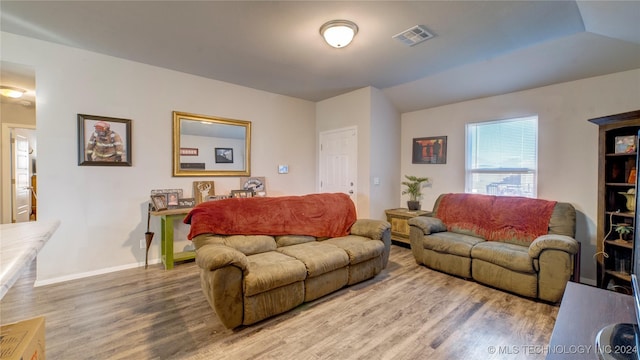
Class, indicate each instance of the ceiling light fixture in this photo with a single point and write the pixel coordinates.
(338, 33)
(11, 92)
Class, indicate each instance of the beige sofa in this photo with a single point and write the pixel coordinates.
(525, 246)
(248, 278)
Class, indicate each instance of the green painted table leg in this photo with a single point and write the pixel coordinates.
(167, 240)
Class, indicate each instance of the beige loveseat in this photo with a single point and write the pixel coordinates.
(525, 246)
(248, 278)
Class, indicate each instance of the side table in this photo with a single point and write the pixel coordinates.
(167, 217)
(399, 226)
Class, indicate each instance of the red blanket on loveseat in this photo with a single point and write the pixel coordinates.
(320, 215)
(496, 218)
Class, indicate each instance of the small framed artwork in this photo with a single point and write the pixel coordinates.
(241, 193)
(186, 203)
(625, 144)
(172, 200)
(202, 190)
(430, 150)
(255, 184)
(159, 202)
(188, 152)
(283, 169)
(224, 155)
(103, 141)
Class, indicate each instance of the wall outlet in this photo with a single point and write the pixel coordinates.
(143, 244)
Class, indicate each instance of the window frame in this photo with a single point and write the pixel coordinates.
(470, 172)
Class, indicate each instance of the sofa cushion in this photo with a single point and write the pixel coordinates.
(358, 248)
(271, 270)
(288, 240)
(509, 256)
(451, 243)
(250, 244)
(319, 258)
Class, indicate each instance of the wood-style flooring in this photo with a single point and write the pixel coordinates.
(406, 312)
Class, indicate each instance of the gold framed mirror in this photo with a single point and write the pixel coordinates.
(210, 146)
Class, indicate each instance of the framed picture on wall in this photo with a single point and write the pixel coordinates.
(103, 141)
(429, 150)
(224, 155)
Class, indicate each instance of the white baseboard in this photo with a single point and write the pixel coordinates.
(91, 273)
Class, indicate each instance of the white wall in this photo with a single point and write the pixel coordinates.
(103, 209)
(384, 153)
(351, 109)
(568, 143)
(378, 124)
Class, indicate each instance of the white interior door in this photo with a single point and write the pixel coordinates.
(339, 161)
(21, 190)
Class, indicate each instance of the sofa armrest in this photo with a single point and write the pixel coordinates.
(373, 229)
(553, 242)
(213, 256)
(427, 224)
(376, 230)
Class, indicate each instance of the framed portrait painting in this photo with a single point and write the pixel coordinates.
(429, 150)
(103, 141)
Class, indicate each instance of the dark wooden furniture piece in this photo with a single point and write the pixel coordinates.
(399, 226)
(583, 312)
(617, 166)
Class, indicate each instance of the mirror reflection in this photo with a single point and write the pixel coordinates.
(210, 146)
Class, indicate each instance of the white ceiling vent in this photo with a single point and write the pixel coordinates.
(414, 35)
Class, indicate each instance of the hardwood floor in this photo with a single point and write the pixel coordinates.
(406, 312)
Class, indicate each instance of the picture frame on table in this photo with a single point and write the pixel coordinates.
(257, 184)
(164, 193)
(172, 200)
(186, 203)
(241, 193)
(103, 141)
(202, 190)
(159, 202)
(429, 150)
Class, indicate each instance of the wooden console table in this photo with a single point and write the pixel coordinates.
(399, 226)
(167, 217)
(583, 312)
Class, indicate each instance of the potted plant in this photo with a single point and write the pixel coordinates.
(414, 190)
(623, 230)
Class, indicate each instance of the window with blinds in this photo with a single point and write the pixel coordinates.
(502, 157)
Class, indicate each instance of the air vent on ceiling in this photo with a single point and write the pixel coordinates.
(413, 36)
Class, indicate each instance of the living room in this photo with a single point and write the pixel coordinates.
(103, 210)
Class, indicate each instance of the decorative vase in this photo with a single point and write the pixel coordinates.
(631, 199)
(413, 205)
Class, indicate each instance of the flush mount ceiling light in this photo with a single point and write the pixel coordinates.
(11, 92)
(338, 33)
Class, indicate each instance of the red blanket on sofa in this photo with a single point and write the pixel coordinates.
(319, 215)
(496, 217)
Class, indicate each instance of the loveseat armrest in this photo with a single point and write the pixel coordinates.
(213, 256)
(553, 242)
(427, 224)
(373, 229)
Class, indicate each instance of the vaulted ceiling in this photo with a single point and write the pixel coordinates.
(480, 48)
